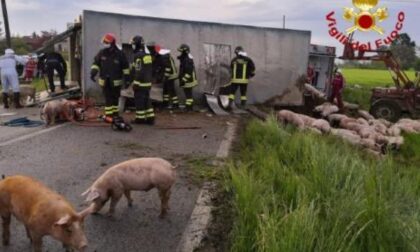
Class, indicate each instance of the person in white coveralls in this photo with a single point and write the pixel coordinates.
(9, 76)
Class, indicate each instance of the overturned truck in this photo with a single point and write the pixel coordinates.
(281, 55)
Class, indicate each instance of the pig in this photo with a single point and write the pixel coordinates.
(307, 120)
(394, 131)
(142, 174)
(42, 212)
(348, 135)
(406, 128)
(286, 116)
(365, 115)
(326, 109)
(61, 109)
(380, 126)
(362, 121)
(322, 125)
(335, 119)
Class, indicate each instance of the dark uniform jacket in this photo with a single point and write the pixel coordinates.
(187, 75)
(113, 65)
(52, 58)
(167, 67)
(243, 69)
(142, 69)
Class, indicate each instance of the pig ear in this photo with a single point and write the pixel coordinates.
(93, 195)
(63, 221)
(87, 211)
(85, 193)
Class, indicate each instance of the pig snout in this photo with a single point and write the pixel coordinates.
(79, 241)
(83, 246)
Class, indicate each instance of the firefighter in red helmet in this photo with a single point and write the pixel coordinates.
(114, 72)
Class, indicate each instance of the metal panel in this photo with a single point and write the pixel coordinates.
(216, 67)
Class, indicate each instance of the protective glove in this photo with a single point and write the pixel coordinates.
(93, 74)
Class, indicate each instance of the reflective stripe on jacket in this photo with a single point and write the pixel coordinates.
(187, 74)
(111, 64)
(143, 69)
(243, 69)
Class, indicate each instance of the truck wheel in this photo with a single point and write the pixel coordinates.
(386, 110)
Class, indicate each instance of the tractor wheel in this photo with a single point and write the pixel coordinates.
(387, 110)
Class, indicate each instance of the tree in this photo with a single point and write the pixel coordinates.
(404, 50)
(18, 45)
(417, 65)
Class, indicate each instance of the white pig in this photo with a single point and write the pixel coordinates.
(141, 174)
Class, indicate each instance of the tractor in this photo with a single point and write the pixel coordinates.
(389, 103)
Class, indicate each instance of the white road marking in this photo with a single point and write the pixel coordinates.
(31, 135)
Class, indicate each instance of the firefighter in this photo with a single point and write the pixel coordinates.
(142, 69)
(243, 69)
(337, 84)
(169, 73)
(187, 75)
(114, 72)
(53, 61)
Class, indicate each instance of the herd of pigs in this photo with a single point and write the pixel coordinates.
(43, 212)
(374, 135)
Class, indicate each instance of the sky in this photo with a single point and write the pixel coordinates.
(36, 15)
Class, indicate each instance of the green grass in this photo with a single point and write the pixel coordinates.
(371, 78)
(294, 191)
(39, 84)
(360, 83)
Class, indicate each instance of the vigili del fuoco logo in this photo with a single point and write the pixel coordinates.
(366, 16)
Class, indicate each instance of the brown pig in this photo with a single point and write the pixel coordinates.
(141, 174)
(42, 212)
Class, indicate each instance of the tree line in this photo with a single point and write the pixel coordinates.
(24, 45)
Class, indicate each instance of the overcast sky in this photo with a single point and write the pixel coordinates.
(36, 15)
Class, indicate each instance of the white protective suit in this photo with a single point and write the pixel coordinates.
(9, 75)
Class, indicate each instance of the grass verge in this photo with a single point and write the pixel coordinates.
(294, 191)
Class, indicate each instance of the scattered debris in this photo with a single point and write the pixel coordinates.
(215, 105)
(23, 122)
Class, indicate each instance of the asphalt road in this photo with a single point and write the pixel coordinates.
(68, 159)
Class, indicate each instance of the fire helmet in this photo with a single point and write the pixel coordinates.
(109, 38)
(137, 41)
(184, 48)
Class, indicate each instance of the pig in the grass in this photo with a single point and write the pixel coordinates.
(141, 174)
(42, 211)
(61, 109)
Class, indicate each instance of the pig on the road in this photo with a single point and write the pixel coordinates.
(42, 211)
(61, 110)
(141, 174)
